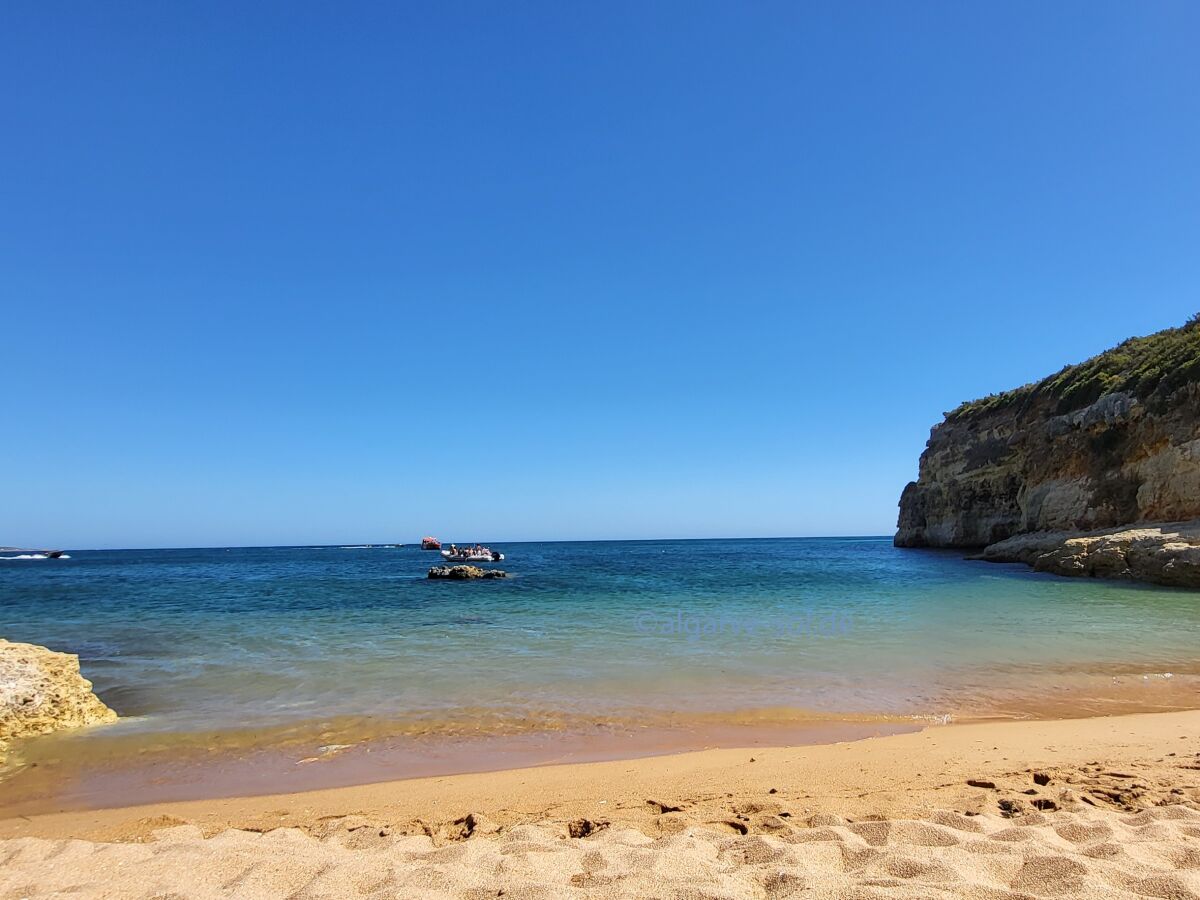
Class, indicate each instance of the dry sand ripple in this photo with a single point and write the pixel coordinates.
(1100, 853)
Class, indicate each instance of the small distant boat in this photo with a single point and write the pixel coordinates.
(430, 543)
(32, 554)
(472, 555)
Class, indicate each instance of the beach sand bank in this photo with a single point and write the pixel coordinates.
(1077, 808)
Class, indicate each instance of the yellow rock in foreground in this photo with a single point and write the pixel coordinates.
(42, 691)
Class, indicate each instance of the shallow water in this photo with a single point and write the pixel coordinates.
(260, 648)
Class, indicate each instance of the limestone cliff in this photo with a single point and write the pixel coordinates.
(42, 691)
(1108, 442)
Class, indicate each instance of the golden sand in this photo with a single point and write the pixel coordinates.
(1098, 807)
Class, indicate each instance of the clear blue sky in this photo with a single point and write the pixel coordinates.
(297, 272)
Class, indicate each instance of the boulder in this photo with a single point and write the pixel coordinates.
(43, 691)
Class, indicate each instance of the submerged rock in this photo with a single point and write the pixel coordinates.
(461, 573)
(42, 691)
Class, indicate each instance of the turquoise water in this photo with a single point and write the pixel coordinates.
(628, 632)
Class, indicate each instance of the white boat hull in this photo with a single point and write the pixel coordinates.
(471, 557)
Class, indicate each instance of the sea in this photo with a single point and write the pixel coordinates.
(256, 670)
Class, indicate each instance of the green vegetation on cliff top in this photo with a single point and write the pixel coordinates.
(1150, 368)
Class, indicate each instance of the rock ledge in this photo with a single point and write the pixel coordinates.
(1166, 554)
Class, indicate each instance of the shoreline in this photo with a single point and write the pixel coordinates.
(884, 772)
(108, 767)
(84, 769)
(1105, 806)
(193, 772)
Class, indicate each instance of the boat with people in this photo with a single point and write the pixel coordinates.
(474, 553)
(430, 543)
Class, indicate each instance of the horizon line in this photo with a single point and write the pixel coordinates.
(382, 545)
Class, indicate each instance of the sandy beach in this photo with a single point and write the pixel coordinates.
(687, 451)
(1074, 808)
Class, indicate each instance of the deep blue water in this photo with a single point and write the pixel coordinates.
(215, 639)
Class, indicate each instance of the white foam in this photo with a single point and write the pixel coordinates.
(934, 718)
(33, 556)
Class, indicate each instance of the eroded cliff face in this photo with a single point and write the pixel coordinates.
(991, 474)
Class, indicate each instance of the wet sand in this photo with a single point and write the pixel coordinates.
(1077, 808)
(124, 765)
(70, 771)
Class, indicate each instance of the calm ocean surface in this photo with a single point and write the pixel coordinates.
(632, 634)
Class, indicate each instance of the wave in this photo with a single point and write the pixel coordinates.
(33, 556)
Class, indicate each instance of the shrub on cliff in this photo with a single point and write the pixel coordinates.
(1150, 368)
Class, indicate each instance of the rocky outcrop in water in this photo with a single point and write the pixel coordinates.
(462, 573)
(43, 691)
(1162, 554)
(1106, 443)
